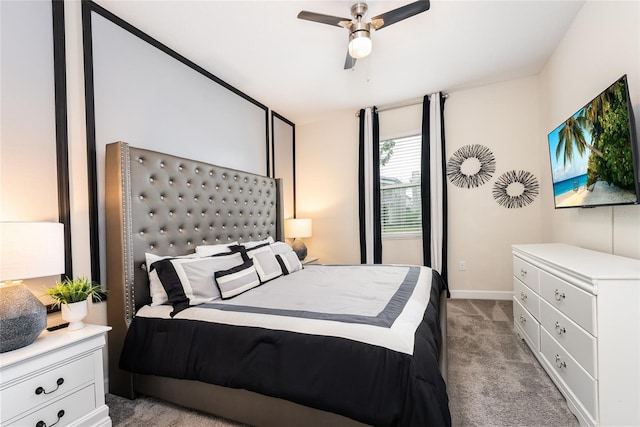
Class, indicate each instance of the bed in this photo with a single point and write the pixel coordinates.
(267, 356)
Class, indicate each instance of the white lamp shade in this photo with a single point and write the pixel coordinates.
(297, 228)
(31, 249)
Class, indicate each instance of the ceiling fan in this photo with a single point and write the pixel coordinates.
(359, 31)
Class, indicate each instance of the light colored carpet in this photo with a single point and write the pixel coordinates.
(494, 379)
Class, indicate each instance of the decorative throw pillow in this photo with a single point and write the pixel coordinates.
(265, 262)
(236, 280)
(250, 245)
(158, 294)
(190, 281)
(280, 248)
(208, 250)
(289, 262)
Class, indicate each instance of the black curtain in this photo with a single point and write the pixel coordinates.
(431, 188)
(369, 188)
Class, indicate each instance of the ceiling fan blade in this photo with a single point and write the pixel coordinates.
(325, 19)
(350, 62)
(396, 15)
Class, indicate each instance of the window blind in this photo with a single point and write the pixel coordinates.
(400, 185)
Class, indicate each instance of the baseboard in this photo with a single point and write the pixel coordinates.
(496, 295)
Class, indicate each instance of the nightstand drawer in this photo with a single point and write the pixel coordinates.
(525, 296)
(44, 387)
(65, 410)
(527, 273)
(577, 304)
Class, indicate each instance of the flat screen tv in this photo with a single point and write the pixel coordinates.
(594, 153)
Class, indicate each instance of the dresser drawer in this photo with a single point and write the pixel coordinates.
(44, 387)
(527, 298)
(577, 304)
(527, 323)
(580, 383)
(576, 341)
(527, 273)
(66, 410)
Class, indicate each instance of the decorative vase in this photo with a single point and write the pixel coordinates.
(22, 317)
(74, 313)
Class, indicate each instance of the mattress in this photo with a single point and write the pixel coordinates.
(359, 341)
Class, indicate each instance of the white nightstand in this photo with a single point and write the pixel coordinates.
(57, 378)
(310, 260)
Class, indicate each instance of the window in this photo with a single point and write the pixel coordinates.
(400, 186)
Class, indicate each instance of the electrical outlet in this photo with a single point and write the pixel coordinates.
(462, 266)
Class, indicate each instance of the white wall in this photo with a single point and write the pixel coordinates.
(503, 117)
(28, 174)
(602, 44)
(327, 187)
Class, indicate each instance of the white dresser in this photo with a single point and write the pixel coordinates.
(58, 379)
(579, 311)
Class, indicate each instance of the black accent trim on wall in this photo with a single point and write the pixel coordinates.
(87, 43)
(275, 115)
(87, 8)
(62, 136)
(425, 185)
(266, 139)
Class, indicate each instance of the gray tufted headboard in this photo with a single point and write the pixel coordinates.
(168, 205)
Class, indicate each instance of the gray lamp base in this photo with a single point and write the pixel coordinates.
(299, 248)
(22, 317)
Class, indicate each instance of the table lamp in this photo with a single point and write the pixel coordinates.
(297, 229)
(27, 250)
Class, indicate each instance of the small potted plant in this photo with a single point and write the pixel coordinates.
(71, 296)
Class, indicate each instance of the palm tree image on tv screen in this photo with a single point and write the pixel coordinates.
(591, 153)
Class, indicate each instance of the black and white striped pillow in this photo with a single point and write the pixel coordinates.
(189, 281)
(265, 262)
(289, 262)
(236, 280)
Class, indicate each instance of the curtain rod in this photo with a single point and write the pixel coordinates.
(402, 104)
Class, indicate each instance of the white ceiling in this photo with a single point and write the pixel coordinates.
(295, 67)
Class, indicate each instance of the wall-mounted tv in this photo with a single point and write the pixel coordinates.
(594, 153)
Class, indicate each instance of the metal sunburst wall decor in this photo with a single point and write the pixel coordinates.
(471, 166)
(515, 189)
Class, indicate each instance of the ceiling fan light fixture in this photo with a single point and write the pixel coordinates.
(360, 44)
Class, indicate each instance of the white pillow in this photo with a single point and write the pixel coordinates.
(250, 245)
(289, 262)
(208, 250)
(265, 262)
(280, 248)
(158, 294)
(193, 278)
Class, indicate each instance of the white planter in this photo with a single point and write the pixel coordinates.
(74, 313)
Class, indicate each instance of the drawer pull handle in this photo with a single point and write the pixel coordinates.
(523, 319)
(560, 363)
(559, 296)
(41, 390)
(523, 272)
(560, 330)
(43, 424)
(523, 296)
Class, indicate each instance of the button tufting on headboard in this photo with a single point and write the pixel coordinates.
(174, 204)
